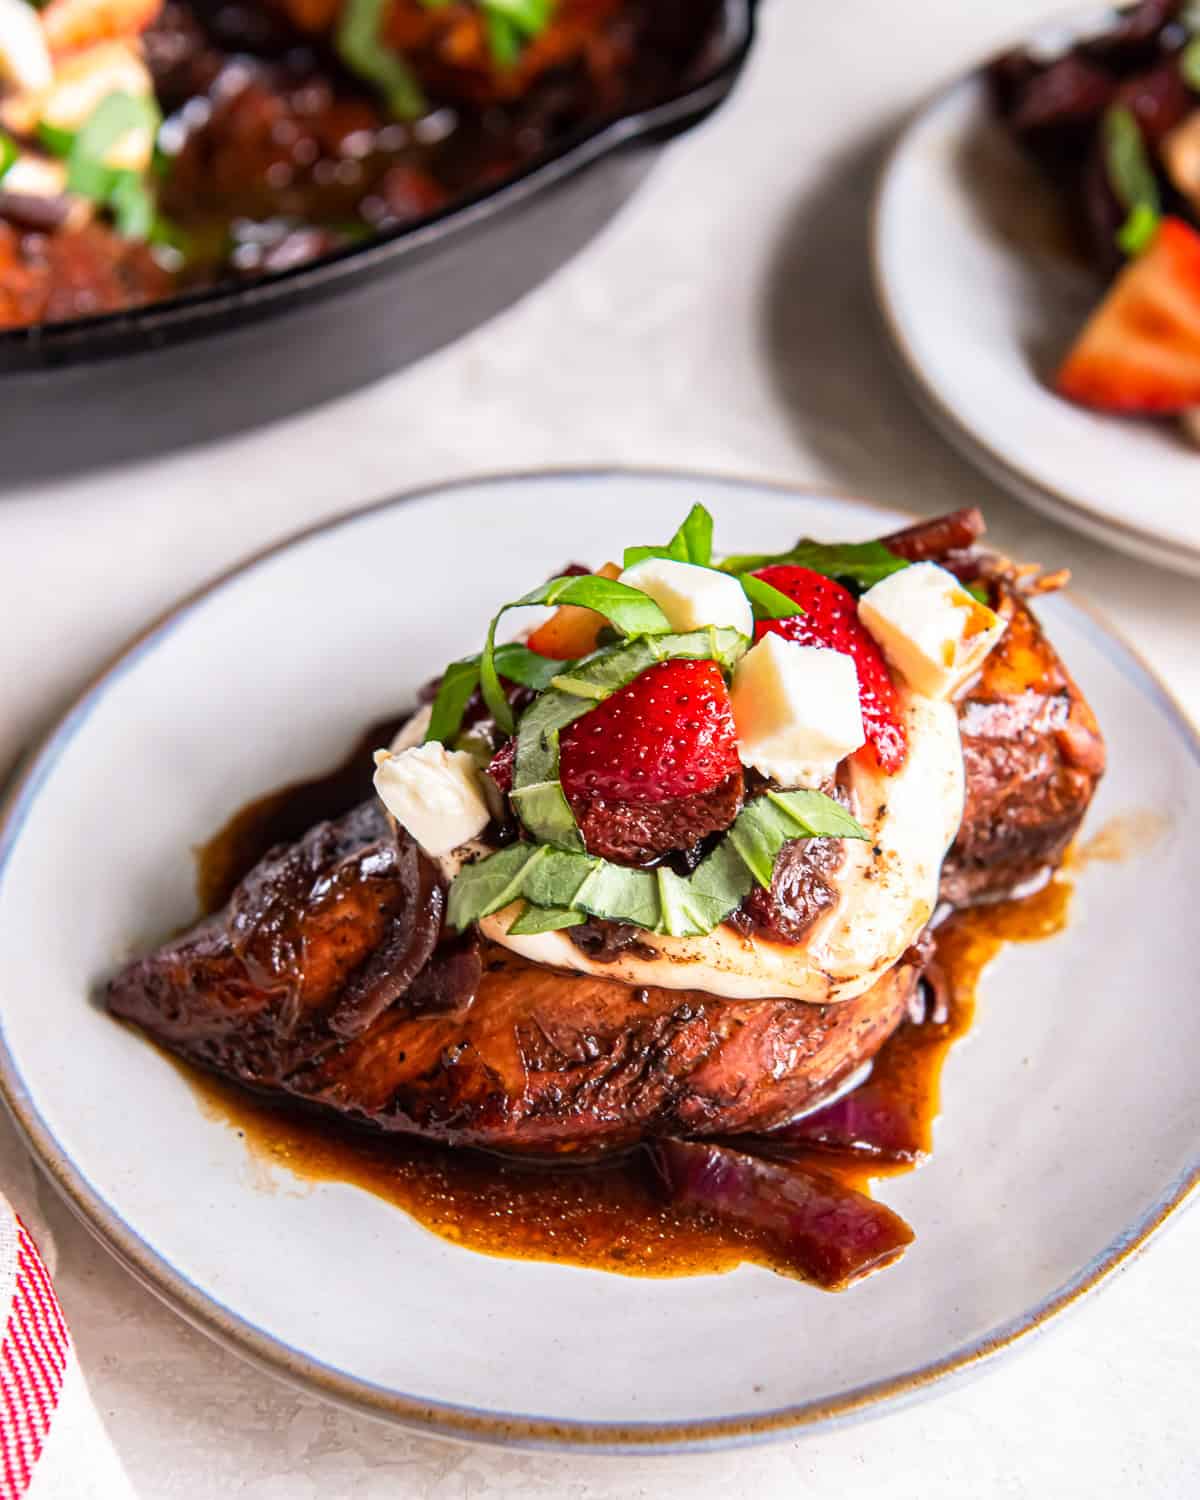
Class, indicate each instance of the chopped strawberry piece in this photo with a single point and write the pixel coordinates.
(500, 768)
(670, 733)
(831, 619)
(1140, 349)
(571, 630)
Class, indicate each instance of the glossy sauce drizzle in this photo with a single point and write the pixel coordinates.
(608, 1216)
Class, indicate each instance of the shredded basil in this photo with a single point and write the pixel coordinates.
(8, 152)
(114, 117)
(768, 603)
(132, 207)
(632, 612)
(509, 24)
(563, 882)
(55, 139)
(859, 563)
(1132, 178)
(692, 543)
(361, 46)
(1189, 64)
(535, 919)
(460, 679)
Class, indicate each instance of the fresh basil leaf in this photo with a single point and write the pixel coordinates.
(9, 152)
(860, 563)
(1131, 177)
(360, 44)
(634, 893)
(719, 885)
(490, 884)
(521, 665)
(1138, 230)
(755, 839)
(504, 40)
(558, 879)
(813, 815)
(1189, 64)
(768, 603)
(677, 916)
(115, 116)
(632, 612)
(535, 919)
(544, 807)
(578, 687)
(656, 900)
(460, 679)
(528, 16)
(692, 543)
(132, 207)
(55, 139)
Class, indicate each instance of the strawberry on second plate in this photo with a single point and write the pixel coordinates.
(830, 619)
(1140, 349)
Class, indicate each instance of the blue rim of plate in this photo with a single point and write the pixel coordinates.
(474, 1424)
(1113, 530)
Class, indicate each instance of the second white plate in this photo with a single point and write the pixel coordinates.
(979, 301)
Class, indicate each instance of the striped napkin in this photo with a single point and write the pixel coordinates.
(52, 1443)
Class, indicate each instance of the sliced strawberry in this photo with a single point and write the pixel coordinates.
(1140, 349)
(831, 619)
(670, 733)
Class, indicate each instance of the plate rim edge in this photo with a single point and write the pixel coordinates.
(469, 1424)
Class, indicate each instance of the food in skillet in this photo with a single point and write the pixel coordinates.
(662, 875)
(150, 148)
(1114, 124)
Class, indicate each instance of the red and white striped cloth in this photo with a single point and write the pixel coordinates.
(52, 1443)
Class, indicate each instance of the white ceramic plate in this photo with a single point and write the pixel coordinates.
(979, 302)
(1071, 1117)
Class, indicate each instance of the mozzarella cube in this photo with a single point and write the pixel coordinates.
(434, 793)
(797, 710)
(692, 597)
(930, 628)
(24, 54)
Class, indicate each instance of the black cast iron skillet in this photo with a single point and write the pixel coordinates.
(98, 390)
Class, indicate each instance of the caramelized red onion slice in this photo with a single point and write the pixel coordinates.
(932, 539)
(869, 1121)
(825, 1232)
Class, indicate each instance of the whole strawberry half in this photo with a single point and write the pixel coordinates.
(830, 619)
(669, 733)
(652, 769)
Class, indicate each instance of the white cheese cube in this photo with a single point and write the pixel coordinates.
(36, 177)
(931, 630)
(797, 710)
(692, 597)
(434, 793)
(24, 54)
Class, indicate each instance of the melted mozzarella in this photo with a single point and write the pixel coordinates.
(887, 889)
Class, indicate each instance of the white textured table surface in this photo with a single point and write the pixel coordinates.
(723, 322)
